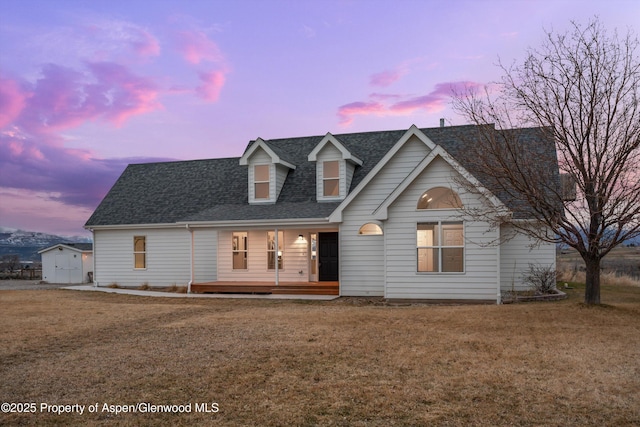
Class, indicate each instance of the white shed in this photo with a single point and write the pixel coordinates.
(67, 263)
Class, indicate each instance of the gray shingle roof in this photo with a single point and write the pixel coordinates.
(216, 189)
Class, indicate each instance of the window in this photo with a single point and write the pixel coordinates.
(440, 247)
(439, 198)
(271, 249)
(139, 252)
(370, 229)
(239, 250)
(331, 178)
(261, 181)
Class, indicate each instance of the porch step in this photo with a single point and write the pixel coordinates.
(306, 290)
(314, 288)
(229, 289)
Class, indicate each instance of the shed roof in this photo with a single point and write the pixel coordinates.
(80, 247)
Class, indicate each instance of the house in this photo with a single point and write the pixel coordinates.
(372, 214)
(67, 263)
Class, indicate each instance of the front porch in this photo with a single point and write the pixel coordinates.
(283, 288)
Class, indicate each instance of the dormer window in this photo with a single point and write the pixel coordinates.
(335, 166)
(331, 178)
(267, 172)
(261, 181)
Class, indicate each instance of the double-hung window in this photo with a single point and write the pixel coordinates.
(261, 180)
(331, 178)
(272, 252)
(239, 250)
(139, 252)
(440, 247)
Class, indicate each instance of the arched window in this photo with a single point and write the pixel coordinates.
(439, 198)
(370, 229)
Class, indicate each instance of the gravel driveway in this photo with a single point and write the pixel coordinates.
(14, 285)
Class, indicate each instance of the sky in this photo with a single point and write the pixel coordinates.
(89, 86)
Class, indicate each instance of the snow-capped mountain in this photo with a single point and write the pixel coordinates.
(26, 244)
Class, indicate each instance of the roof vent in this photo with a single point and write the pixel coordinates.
(441, 123)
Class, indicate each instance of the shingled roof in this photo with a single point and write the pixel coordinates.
(216, 189)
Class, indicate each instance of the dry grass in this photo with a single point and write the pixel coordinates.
(346, 362)
(620, 266)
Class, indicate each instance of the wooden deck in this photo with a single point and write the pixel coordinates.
(284, 288)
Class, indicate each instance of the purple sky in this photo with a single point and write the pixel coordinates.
(87, 87)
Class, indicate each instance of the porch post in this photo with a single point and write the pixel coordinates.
(191, 260)
(276, 253)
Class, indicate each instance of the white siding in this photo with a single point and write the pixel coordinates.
(362, 261)
(205, 263)
(350, 169)
(515, 256)
(168, 257)
(480, 277)
(281, 177)
(295, 257)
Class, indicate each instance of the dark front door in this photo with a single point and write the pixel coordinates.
(328, 257)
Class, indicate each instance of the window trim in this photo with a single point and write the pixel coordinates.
(326, 179)
(360, 230)
(440, 246)
(142, 252)
(235, 248)
(453, 192)
(256, 182)
(279, 251)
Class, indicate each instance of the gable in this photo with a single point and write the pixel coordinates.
(448, 173)
(332, 147)
(437, 171)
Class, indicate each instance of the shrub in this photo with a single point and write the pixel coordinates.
(541, 279)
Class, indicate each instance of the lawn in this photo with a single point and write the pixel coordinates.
(346, 362)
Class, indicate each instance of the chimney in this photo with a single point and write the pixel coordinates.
(441, 123)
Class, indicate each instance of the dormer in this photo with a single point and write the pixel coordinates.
(267, 172)
(334, 169)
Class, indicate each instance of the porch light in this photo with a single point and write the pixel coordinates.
(300, 237)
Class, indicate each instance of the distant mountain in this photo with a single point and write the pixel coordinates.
(26, 244)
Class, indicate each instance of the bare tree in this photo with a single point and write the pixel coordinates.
(582, 89)
(9, 262)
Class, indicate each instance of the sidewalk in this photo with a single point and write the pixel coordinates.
(179, 295)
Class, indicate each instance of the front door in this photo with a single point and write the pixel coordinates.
(328, 257)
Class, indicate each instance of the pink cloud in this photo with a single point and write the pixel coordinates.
(12, 101)
(196, 47)
(385, 78)
(434, 101)
(108, 39)
(119, 94)
(347, 111)
(63, 98)
(145, 44)
(211, 86)
(430, 103)
(70, 176)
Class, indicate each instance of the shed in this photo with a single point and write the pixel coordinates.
(67, 263)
